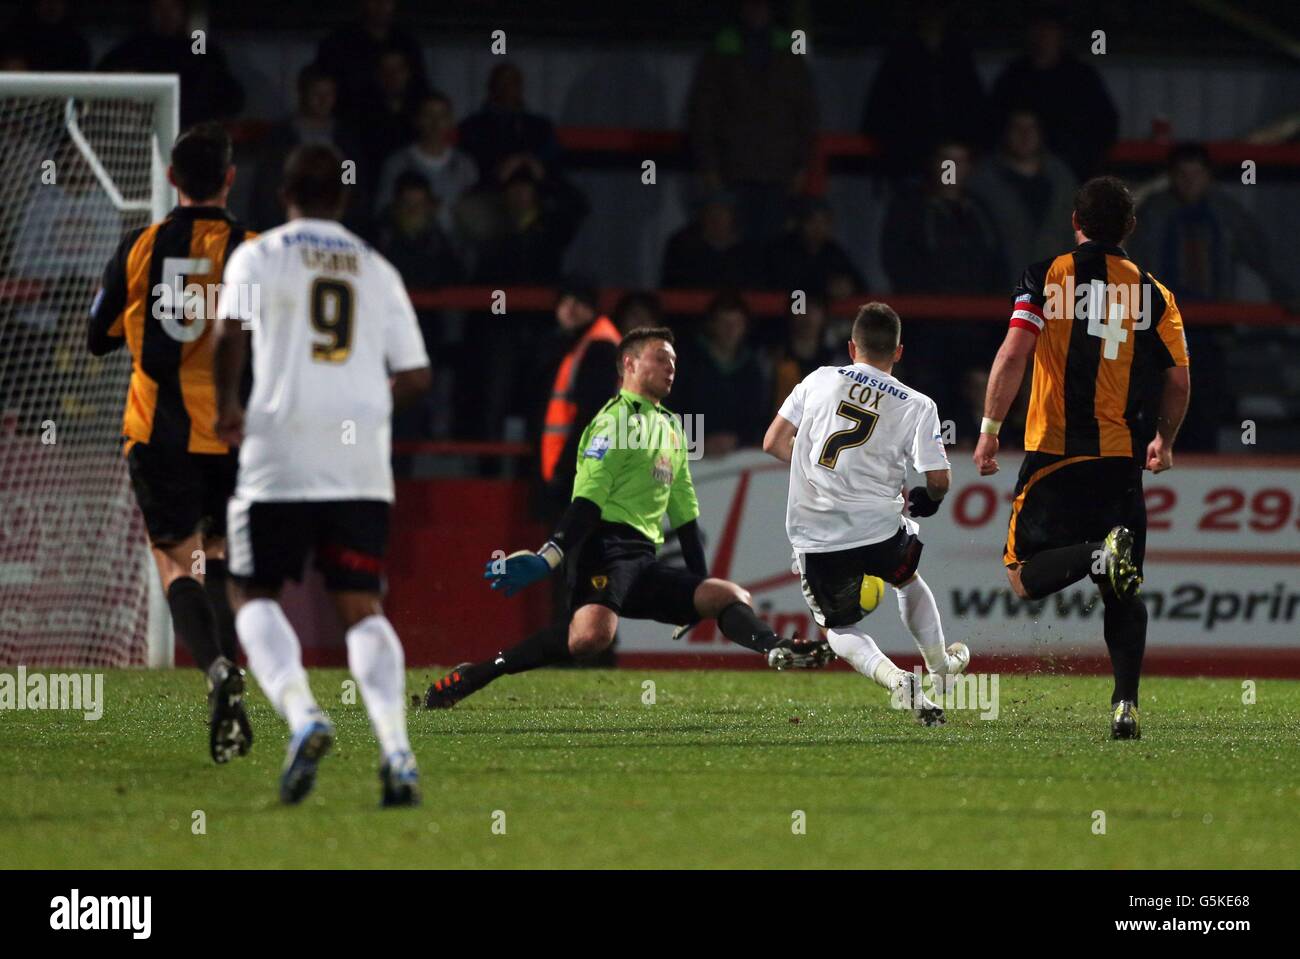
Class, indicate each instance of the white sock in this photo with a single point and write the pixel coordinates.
(861, 652)
(921, 617)
(275, 657)
(376, 659)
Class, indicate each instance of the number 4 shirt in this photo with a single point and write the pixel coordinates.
(330, 322)
(1106, 332)
(859, 429)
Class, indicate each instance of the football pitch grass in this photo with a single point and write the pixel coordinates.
(574, 769)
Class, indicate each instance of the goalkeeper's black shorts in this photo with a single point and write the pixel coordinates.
(181, 493)
(618, 568)
(1066, 500)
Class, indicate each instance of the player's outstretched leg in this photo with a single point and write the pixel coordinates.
(377, 661)
(861, 652)
(275, 657)
(729, 604)
(545, 647)
(920, 615)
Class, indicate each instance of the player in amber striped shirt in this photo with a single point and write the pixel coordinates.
(1110, 390)
(155, 297)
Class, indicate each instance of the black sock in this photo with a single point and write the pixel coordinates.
(1126, 639)
(214, 584)
(193, 620)
(545, 647)
(1055, 569)
(741, 625)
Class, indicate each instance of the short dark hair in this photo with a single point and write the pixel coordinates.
(313, 178)
(877, 330)
(412, 180)
(1190, 152)
(312, 74)
(635, 340)
(200, 158)
(1104, 208)
(728, 301)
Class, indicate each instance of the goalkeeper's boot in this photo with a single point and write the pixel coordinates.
(1121, 569)
(229, 732)
(908, 694)
(456, 685)
(796, 653)
(1124, 722)
(306, 748)
(401, 780)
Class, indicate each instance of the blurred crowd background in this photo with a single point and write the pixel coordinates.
(774, 171)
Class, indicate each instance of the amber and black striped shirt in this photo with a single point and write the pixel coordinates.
(1106, 332)
(171, 400)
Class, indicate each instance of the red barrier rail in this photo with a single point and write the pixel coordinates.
(639, 143)
(987, 309)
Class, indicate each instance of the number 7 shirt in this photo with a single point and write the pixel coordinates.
(859, 429)
(330, 322)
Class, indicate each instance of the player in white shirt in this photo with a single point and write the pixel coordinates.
(849, 434)
(330, 324)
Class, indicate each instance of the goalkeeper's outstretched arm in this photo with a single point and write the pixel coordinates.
(522, 569)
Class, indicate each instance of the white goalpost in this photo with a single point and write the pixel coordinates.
(82, 161)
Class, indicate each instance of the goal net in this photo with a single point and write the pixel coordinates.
(80, 164)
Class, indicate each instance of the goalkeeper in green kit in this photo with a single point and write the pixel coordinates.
(632, 469)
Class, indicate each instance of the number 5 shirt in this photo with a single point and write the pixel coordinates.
(153, 299)
(859, 429)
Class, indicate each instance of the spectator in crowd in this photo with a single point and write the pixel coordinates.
(539, 217)
(719, 378)
(579, 364)
(503, 131)
(1078, 116)
(808, 257)
(48, 38)
(314, 121)
(936, 237)
(412, 238)
(1195, 235)
(926, 92)
(388, 118)
(637, 309)
(448, 171)
(209, 91)
(351, 55)
(803, 350)
(1029, 193)
(709, 251)
(753, 119)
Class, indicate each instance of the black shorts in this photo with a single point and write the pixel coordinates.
(1065, 500)
(180, 492)
(617, 568)
(270, 541)
(832, 582)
